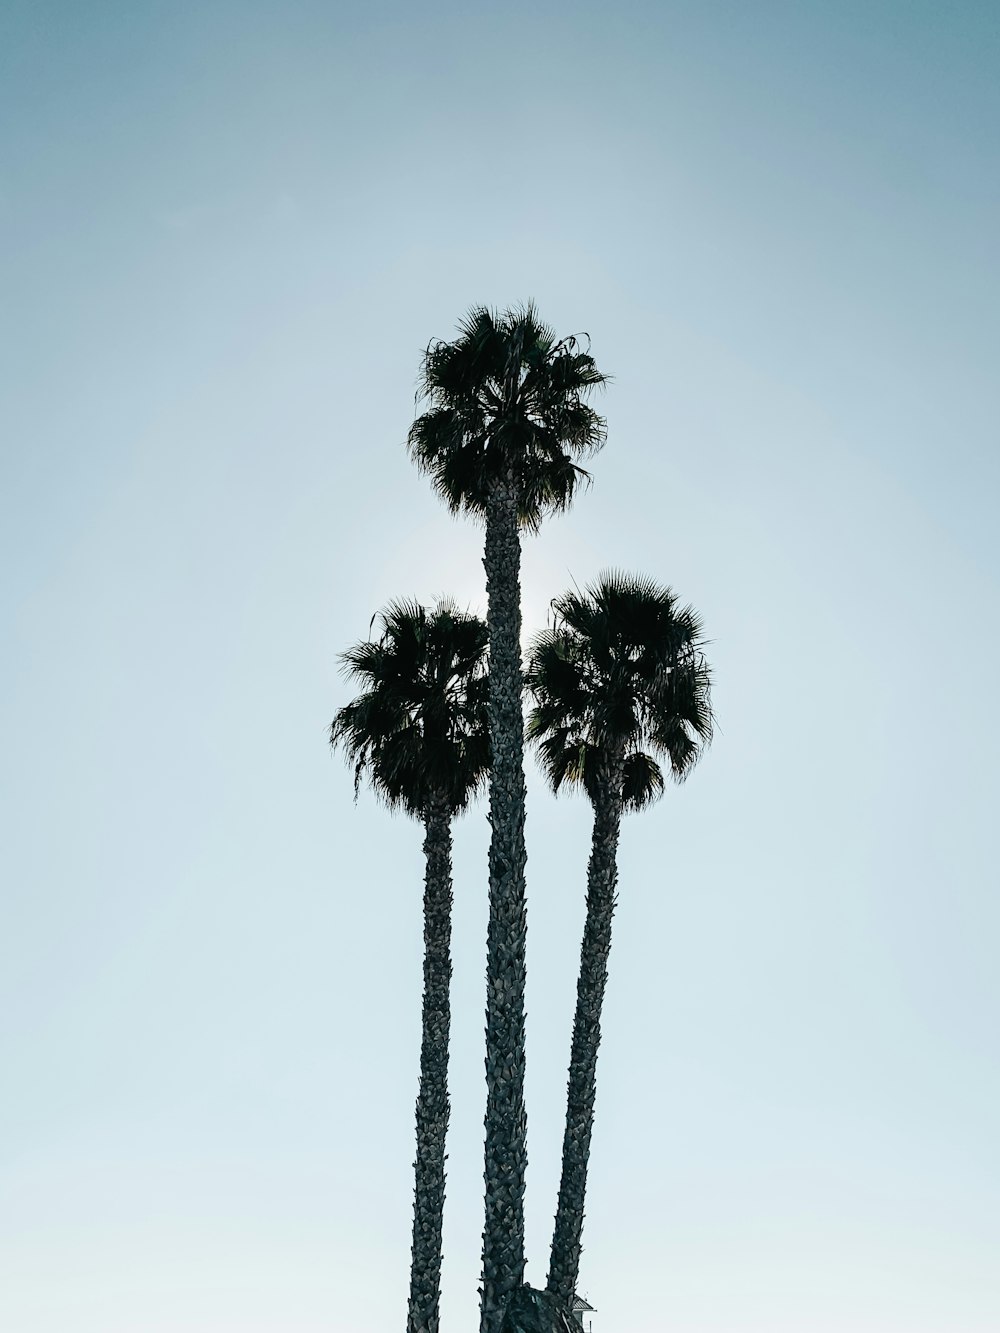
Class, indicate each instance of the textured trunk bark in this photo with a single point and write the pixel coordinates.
(432, 1098)
(506, 1127)
(602, 876)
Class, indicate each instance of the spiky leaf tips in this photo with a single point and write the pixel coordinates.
(619, 682)
(419, 732)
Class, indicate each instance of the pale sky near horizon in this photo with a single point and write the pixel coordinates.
(228, 230)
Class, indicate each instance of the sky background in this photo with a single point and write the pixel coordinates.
(228, 231)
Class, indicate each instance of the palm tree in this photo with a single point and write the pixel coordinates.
(617, 680)
(505, 424)
(418, 731)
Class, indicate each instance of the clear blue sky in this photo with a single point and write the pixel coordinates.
(227, 233)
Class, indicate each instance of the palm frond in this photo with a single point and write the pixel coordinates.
(642, 781)
(620, 672)
(505, 399)
(418, 730)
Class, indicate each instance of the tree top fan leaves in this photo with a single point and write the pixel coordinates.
(505, 401)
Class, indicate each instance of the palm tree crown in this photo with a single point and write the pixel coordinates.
(620, 673)
(419, 728)
(506, 404)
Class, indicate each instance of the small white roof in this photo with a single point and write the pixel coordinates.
(580, 1304)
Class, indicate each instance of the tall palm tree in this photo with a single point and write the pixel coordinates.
(505, 426)
(618, 680)
(419, 732)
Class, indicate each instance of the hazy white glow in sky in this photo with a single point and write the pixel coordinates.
(228, 232)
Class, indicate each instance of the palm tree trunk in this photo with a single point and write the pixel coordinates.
(531, 1311)
(506, 1126)
(432, 1098)
(602, 876)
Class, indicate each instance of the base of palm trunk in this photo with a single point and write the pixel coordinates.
(531, 1311)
